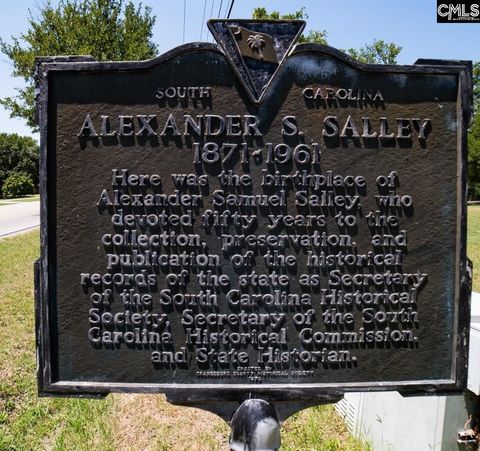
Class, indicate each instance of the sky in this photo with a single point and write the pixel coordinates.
(349, 23)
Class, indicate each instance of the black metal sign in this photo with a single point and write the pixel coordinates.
(252, 216)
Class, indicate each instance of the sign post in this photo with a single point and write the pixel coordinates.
(252, 219)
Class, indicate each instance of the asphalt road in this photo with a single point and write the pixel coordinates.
(19, 217)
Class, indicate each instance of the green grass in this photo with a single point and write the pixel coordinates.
(33, 198)
(120, 422)
(318, 428)
(473, 243)
(124, 422)
(26, 421)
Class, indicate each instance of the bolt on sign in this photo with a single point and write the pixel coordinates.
(253, 217)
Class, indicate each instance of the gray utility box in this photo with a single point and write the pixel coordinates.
(427, 423)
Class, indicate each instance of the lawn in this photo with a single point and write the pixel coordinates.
(120, 422)
(27, 422)
(124, 422)
(473, 243)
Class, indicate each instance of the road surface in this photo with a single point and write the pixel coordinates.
(19, 217)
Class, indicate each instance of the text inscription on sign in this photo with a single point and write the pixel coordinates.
(199, 234)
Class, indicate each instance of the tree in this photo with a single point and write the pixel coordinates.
(476, 86)
(474, 139)
(18, 184)
(380, 52)
(18, 154)
(316, 36)
(108, 30)
(474, 159)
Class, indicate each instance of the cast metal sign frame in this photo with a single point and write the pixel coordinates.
(48, 384)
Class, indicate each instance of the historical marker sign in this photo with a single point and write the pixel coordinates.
(252, 216)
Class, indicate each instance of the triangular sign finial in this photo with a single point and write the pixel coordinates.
(256, 48)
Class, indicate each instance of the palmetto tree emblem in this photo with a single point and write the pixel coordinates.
(256, 42)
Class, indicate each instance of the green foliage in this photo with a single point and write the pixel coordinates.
(474, 159)
(474, 139)
(108, 30)
(18, 154)
(262, 14)
(380, 52)
(476, 86)
(315, 36)
(17, 184)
